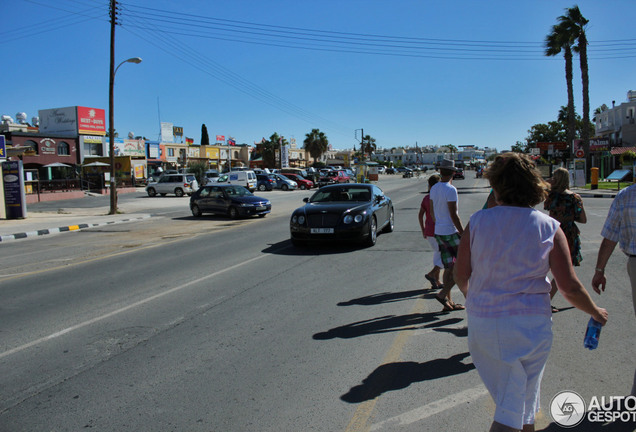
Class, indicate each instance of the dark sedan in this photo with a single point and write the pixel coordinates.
(231, 200)
(343, 212)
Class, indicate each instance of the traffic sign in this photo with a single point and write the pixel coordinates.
(580, 153)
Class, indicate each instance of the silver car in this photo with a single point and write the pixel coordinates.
(178, 184)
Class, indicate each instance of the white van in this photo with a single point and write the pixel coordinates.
(246, 179)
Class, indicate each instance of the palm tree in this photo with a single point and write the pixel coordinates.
(577, 22)
(316, 143)
(561, 40)
(369, 144)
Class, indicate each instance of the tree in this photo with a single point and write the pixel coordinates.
(577, 23)
(519, 147)
(316, 143)
(368, 144)
(205, 138)
(551, 132)
(561, 39)
(269, 149)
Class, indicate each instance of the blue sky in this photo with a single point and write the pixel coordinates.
(461, 72)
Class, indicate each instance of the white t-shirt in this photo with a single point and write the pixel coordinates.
(441, 194)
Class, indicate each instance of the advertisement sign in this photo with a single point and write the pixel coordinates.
(58, 120)
(577, 149)
(212, 153)
(166, 132)
(285, 154)
(3, 148)
(220, 138)
(130, 147)
(91, 121)
(74, 120)
(14, 195)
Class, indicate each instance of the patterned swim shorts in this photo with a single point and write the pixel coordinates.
(448, 246)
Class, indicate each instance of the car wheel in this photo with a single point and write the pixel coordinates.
(285, 187)
(152, 192)
(178, 192)
(233, 212)
(372, 237)
(262, 187)
(261, 215)
(196, 211)
(389, 227)
(303, 187)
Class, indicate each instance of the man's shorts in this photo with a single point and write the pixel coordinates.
(448, 246)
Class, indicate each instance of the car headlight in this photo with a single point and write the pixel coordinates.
(351, 218)
(301, 220)
(294, 219)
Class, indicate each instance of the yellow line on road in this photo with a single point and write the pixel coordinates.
(360, 420)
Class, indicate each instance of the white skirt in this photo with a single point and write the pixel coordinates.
(510, 354)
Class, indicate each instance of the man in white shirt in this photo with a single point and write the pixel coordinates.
(448, 229)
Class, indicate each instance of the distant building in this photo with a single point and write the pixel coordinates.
(617, 123)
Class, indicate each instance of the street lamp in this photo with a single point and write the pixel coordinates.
(111, 131)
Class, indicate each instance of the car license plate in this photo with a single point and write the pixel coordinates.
(322, 230)
(259, 208)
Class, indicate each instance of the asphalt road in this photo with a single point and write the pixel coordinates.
(182, 324)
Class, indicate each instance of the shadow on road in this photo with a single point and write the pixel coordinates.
(397, 376)
(285, 247)
(386, 324)
(386, 297)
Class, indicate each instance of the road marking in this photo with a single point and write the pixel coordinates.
(126, 308)
(431, 409)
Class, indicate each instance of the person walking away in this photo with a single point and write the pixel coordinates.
(428, 231)
(502, 266)
(619, 228)
(566, 207)
(448, 229)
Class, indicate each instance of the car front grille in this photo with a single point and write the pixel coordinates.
(327, 220)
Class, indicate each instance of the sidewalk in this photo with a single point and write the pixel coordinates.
(596, 193)
(66, 216)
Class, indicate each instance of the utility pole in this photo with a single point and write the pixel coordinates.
(111, 114)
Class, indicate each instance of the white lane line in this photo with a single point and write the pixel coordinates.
(125, 308)
(431, 409)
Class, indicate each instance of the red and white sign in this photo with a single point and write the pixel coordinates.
(91, 121)
(220, 138)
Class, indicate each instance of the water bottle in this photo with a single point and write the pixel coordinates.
(592, 334)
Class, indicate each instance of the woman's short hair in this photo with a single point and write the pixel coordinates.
(560, 180)
(432, 180)
(516, 180)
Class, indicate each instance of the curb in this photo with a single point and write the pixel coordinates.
(68, 228)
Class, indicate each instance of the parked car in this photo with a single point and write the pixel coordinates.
(331, 177)
(381, 169)
(390, 171)
(302, 182)
(231, 200)
(247, 179)
(343, 212)
(209, 175)
(459, 174)
(178, 184)
(264, 182)
(283, 183)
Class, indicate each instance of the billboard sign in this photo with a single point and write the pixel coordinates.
(14, 195)
(58, 120)
(74, 120)
(3, 148)
(91, 121)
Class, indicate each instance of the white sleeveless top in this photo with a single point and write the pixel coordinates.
(510, 250)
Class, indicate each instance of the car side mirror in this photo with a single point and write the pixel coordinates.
(306, 200)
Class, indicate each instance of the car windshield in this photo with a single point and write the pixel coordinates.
(237, 191)
(342, 194)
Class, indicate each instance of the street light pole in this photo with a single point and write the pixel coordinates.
(111, 119)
